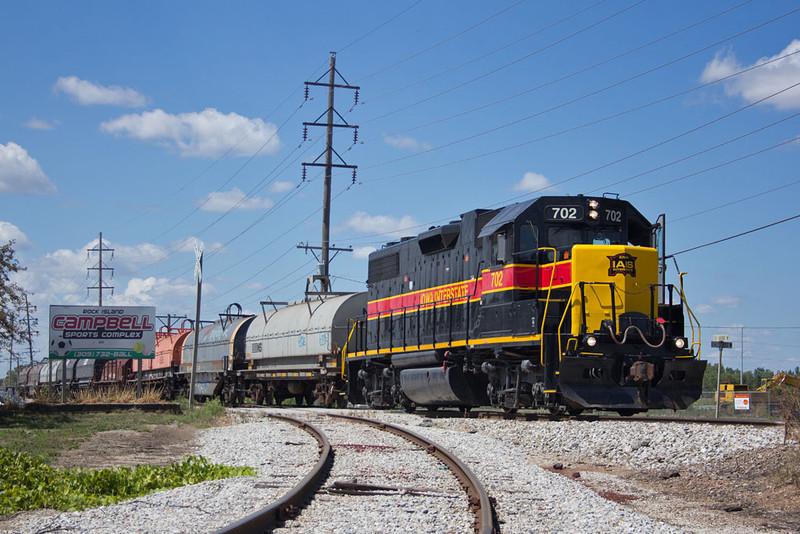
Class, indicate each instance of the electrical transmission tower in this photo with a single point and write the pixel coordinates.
(100, 268)
(323, 276)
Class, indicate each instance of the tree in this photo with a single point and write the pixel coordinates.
(12, 299)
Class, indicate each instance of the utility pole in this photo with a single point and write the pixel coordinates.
(30, 335)
(100, 268)
(324, 273)
(198, 274)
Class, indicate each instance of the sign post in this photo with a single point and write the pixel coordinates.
(721, 342)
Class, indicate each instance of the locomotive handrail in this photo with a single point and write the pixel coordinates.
(560, 324)
(346, 343)
(547, 301)
(692, 317)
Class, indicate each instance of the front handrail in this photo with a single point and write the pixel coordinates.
(692, 317)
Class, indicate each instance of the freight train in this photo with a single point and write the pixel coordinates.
(556, 303)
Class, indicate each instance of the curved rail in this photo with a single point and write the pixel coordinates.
(267, 518)
(479, 501)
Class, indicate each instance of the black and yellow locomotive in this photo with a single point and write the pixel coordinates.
(556, 303)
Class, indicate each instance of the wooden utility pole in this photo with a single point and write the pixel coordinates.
(198, 274)
(324, 272)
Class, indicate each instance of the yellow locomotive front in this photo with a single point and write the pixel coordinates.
(624, 347)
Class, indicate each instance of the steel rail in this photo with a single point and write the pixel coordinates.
(539, 416)
(479, 501)
(287, 506)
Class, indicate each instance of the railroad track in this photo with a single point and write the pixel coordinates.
(289, 506)
(269, 517)
(542, 416)
(539, 416)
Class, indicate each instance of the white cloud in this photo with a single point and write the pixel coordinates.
(207, 134)
(87, 93)
(405, 143)
(716, 303)
(10, 232)
(727, 301)
(532, 182)
(41, 124)
(761, 82)
(222, 201)
(383, 224)
(281, 187)
(21, 174)
(362, 253)
(153, 291)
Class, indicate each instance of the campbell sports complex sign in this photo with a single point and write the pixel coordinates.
(102, 332)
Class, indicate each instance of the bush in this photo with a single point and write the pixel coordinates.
(29, 483)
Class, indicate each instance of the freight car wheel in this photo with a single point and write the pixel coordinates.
(310, 398)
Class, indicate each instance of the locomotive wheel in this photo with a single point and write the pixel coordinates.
(509, 410)
(298, 399)
(626, 412)
(432, 408)
(341, 401)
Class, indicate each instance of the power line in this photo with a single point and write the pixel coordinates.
(484, 56)
(578, 99)
(770, 225)
(502, 67)
(438, 44)
(562, 78)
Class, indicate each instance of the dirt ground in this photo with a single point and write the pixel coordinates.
(745, 492)
(162, 445)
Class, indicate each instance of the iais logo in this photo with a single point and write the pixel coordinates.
(622, 264)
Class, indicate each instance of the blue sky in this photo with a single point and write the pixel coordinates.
(161, 123)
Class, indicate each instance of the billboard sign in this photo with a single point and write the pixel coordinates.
(102, 332)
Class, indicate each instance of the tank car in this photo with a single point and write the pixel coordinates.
(556, 303)
(220, 353)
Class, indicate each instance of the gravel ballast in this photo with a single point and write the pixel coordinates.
(509, 457)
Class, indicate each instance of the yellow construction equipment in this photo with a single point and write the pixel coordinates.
(780, 379)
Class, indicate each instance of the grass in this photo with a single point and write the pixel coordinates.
(48, 434)
(31, 442)
(114, 395)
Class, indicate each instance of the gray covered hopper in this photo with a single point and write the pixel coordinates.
(295, 337)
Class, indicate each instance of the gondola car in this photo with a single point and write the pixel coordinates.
(553, 303)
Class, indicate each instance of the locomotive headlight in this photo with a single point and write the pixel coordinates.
(593, 204)
(593, 215)
(680, 343)
(591, 341)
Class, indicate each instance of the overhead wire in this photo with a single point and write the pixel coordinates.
(440, 43)
(564, 77)
(506, 65)
(483, 56)
(562, 105)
